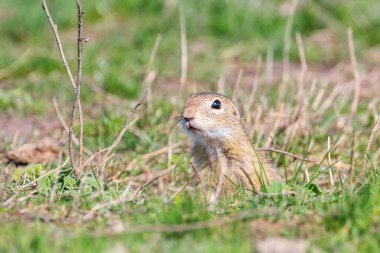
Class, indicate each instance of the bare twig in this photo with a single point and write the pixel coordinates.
(76, 85)
(141, 188)
(59, 43)
(127, 123)
(79, 82)
(114, 144)
(144, 176)
(286, 153)
(64, 125)
(160, 151)
(153, 55)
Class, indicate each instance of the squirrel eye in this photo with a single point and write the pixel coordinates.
(216, 104)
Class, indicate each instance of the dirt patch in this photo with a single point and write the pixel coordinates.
(45, 151)
(29, 128)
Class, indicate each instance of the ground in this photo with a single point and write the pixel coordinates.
(322, 107)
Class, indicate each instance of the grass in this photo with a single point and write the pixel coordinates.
(223, 37)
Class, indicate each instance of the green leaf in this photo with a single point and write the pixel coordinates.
(314, 189)
(70, 182)
(17, 174)
(34, 171)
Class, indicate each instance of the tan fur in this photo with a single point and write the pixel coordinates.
(222, 155)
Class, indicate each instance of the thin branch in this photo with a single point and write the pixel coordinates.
(127, 124)
(286, 153)
(59, 43)
(153, 55)
(79, 81)
(64, 125)
(76, 85)
(160, 151)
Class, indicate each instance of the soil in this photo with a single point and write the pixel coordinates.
(29, 128)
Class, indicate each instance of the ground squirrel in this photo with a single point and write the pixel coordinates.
(223, 158)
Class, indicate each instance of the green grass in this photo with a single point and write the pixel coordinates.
(223, 36)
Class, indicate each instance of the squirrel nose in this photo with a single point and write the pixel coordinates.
(187, 119)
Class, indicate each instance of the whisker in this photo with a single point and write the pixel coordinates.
(176, 117)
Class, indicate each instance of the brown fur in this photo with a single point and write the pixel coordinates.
(222, 155)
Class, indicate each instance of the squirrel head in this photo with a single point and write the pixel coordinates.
(210, 117)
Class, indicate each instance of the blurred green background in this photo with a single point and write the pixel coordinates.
(122, 34)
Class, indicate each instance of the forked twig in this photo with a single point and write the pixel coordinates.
(128, 122)
(76, 85)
